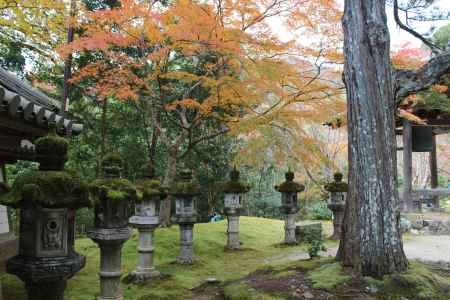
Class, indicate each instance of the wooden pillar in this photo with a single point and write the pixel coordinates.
(407, 201)
(434, 171)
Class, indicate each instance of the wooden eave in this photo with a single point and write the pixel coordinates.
(26, 114)
(29, 111)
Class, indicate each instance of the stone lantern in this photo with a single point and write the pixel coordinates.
(146, 219)
(47, 199)
(289, 205)
(336, 203)
(234, 197)
(184, 191)
(112, 196)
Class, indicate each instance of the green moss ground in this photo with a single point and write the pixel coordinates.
(328, 276)
(260, 237)
(419, 282)
(243, 291)
(242, 271)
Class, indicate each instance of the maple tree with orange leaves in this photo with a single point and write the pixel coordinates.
(214, 68)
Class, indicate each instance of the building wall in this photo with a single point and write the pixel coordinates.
(4, 226)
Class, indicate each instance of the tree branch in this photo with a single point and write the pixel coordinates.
(432, 46)
(409, 82)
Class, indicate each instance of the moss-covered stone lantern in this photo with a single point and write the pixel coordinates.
(289, 205)
(234, 197)
(184, 190)
(338, 194)
(47, 199)
(112, 196)
(146, 219)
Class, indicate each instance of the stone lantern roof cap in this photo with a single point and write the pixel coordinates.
(50, 186)
(337, 185)
(150, 188)
(184, 184)
(290, 186)
(49, 189)
(112, 165)
(338, 176)
(51, 151)
(112, 186)
(113, 189)
(234, 185)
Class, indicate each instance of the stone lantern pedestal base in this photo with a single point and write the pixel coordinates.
(338, 217)
(233, 242)
(140, 275)
(289, 230)
(186, 244)
(45, 278)
(145, 269)
(110, 242)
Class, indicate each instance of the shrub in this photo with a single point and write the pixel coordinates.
(314, 247)
(319, 211)
(315, 242)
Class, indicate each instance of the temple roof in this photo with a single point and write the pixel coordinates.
(25, 115)
(19, 101)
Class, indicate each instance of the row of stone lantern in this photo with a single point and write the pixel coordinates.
(49, 197)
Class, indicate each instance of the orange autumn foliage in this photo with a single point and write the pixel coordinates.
(409, 57)
(269, 66)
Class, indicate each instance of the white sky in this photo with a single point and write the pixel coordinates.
(399, 36)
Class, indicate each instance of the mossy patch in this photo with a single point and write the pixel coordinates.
(328, 276)
(418, 282)
(242, 291)
(284, 274)
(184, 188)
(234, 187)
(112, 158)
(149, 189)
(341, 187)
(51, 144)
(115, 189)
(337, 185)
(290, 187)
(52, 189)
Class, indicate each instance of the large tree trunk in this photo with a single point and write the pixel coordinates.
(371, 242)
(169, 178)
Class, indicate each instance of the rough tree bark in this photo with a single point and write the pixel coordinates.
(371, 242)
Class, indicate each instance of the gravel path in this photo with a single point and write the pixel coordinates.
(426, 248)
